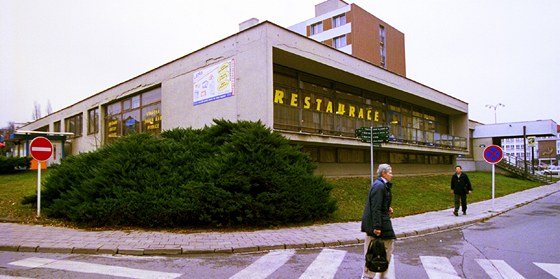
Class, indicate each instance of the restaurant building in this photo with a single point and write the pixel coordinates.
(311, 92)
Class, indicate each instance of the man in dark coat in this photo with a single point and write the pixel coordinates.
(461, 186)
(376, 220)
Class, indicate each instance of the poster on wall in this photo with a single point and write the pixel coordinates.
(214, 82)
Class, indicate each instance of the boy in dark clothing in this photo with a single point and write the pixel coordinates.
(461, 186)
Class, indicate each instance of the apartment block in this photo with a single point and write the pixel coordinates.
(353, 30)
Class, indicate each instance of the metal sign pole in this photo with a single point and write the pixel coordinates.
(39, 189)
(493, 183)
(371, 154)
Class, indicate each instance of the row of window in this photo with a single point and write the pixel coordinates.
(307, 103)
(337, 21)
(139, 113)
(347, 155)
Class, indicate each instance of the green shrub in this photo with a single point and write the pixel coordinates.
(11, 164)
(229, 174)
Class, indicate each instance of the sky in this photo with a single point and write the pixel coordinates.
(485, 53)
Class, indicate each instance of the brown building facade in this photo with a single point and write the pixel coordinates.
(351, 29)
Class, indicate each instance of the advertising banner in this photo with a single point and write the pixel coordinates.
(547, 149)
(214, 82)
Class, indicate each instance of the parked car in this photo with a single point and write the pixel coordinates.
(552, 170)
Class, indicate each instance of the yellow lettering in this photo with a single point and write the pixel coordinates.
(340, 109)
(293, 102)
(376, 116)
(307, 102)
(361, 113)
(329, 107)
(352, 112)
(369, 114)
(279, 97)
(319, 101)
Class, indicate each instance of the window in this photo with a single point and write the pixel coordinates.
(74, 125)
(339, 41)
(316, 28)
(382, 49)
(137, 114)
(56, 126)
(93, 121)
(339, 20)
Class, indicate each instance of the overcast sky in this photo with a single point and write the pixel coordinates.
(482, 52)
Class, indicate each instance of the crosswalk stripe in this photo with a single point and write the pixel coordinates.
(93, 268)
(265, 265)
(438, 267)
(325, 265)
(498, 269)
(552, 269)
(391, 273)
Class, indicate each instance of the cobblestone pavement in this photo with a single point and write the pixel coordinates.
(38, 238)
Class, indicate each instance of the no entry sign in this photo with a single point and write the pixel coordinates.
(493, 154)
(41, 148)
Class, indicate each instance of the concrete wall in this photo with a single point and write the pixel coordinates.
(254, 51)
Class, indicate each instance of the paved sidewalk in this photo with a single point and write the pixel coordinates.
(37, 238)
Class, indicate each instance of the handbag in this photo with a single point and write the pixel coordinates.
(376, 256)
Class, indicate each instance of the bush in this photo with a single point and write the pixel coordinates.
(229, 174)
(12, 164)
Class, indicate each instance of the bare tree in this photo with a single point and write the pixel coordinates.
(49, 107)
(36, 111)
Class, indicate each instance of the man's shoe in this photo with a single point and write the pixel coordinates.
(464, 213)
(455, 213)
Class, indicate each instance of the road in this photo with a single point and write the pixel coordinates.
(523, 243)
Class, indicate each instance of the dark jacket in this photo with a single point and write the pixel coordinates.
(461, 185)
(376, 211)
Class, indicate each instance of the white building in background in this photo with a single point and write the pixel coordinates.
(512, 138)
(516, 147)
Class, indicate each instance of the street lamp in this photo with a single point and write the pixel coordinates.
(495, 107)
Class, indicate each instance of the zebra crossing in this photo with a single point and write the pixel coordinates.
(325, 264)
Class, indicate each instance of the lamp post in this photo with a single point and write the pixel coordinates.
(495, 107)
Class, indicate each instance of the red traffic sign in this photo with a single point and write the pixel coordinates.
(493, 154)
(41, 148)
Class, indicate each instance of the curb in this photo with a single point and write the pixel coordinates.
(346, 228)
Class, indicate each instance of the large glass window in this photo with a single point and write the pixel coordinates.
(136, 114)
(93, 121)
(56, 126)
(382, 49)
(74, 125)
(307, 103)
(342, 155)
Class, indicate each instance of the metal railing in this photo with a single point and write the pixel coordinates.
(518, 166)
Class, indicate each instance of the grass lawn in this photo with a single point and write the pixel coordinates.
(13, 187)
(411, 194)
(419, 194)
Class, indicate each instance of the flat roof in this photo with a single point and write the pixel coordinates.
(515, 129)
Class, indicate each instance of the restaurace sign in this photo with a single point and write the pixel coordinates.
(328, 106)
